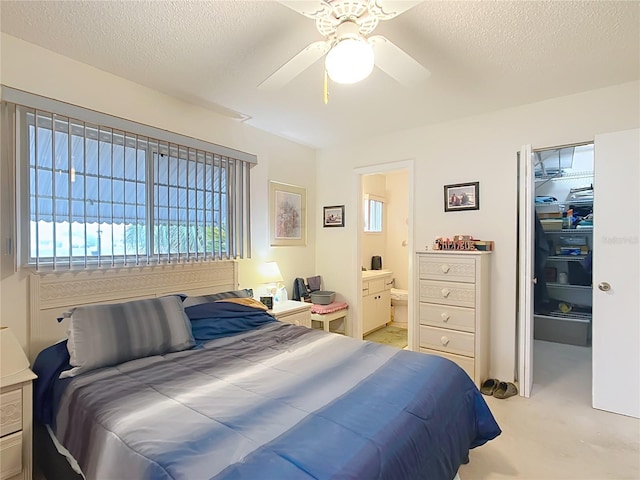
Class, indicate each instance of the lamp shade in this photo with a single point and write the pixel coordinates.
(350, 61)
(270, 273)
(12, 357)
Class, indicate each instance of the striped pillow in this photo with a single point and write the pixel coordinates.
(105, 335)
(214, 297)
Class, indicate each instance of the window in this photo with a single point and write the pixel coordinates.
(94, 196)
(372, 214)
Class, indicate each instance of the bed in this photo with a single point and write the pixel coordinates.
(246, 397)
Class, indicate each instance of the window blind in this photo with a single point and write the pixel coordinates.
(97, 196)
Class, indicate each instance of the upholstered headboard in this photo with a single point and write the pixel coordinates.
(51, 294)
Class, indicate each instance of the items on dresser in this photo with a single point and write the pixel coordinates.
(454, 308)
(16, 399)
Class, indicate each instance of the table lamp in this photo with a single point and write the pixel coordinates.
(12, 357)
(270, 276)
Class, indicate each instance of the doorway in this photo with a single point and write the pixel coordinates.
(563, 250)
(391, 239)
(615, 307)
(557, 218)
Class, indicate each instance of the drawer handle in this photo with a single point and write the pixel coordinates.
(445, 317)
(444, 340)
(445, 268)
(445, 292)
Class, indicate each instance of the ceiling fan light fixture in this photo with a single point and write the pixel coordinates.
(350, 61)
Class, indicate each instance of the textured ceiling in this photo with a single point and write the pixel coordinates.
(483, 56)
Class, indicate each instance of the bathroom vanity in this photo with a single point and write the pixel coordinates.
(376, 299)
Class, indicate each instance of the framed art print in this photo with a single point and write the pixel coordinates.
(287, 214)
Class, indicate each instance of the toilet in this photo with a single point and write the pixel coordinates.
(399, 305)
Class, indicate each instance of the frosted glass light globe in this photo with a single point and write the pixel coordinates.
(350, 61)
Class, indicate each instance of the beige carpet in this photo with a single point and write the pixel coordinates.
(556, 434)
(390, 335)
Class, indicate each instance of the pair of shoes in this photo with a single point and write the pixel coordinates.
(505, 390)
(489, 386)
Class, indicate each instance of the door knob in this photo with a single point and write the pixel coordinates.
(604, 286)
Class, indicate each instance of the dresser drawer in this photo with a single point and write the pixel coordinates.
(451, 341)
(10, 455)
(448, 268)
(465, 363)
(10, 412)
(446, 316)
(448, 293)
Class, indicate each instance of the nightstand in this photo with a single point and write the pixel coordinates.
(292, 311)
(16, 406)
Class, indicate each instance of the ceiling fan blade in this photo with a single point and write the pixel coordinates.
(294, 67)
(309, 8)
(387, 9)
(396, 63)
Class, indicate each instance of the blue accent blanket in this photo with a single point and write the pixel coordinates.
(275, 402)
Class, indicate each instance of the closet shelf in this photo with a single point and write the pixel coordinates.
(579, 317)
(566, 258)
(574, 231)
(577, 203)
(567, 286)
(563, 176)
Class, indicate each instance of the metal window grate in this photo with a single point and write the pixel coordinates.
(100, 197)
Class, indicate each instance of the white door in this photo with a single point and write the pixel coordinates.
(616, 273)
(525, 271)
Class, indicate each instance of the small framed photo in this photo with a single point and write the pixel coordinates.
(334, 216)
(462, 196)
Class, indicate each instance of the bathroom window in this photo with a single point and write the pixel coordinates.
(373, 214)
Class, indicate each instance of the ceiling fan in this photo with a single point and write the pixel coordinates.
(350, 51)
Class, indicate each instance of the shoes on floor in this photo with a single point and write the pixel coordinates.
(505, 390)
(489, 386)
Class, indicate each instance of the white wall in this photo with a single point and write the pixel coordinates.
(31, 68)
(396, 254)
(374, 243)
(481, 148)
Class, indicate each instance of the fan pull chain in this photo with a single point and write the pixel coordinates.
(326, 87)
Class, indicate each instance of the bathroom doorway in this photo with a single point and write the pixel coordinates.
(384, 257)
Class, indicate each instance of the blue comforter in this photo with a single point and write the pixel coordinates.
(274, 402)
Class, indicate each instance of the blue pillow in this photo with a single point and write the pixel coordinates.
(219, 319)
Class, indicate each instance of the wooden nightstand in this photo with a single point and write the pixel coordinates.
(16, 406)
(292, 311)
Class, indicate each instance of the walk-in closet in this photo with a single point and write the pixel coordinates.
(563, 244)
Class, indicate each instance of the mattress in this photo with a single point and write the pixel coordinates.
(276, 401)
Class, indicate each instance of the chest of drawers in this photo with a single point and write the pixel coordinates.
(453, 308)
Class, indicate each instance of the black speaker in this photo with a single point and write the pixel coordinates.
(376, 262)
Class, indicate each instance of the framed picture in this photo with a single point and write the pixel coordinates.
(462, 196)
(287, 214)
(333, 216)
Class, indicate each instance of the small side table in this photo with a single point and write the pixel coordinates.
(292, 311)
(327, 318)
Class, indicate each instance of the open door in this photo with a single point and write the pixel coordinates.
(525, 277)
(616, 270)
